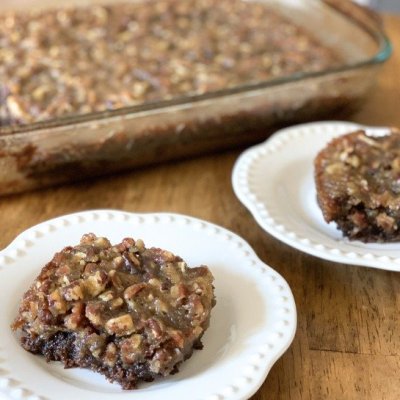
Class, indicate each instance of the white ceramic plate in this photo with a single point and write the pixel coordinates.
(274, 180)
(252, 324)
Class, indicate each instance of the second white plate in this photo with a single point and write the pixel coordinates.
(275, 181)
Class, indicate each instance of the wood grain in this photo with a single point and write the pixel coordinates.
(347, 345)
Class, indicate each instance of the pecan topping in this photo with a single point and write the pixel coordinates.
(188, 48)
(120, 326)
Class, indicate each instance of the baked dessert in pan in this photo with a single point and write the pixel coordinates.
(80, 60)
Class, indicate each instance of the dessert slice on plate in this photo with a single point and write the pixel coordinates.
(357, 178)
(125, 311)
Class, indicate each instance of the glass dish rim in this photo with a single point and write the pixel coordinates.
(385, 49)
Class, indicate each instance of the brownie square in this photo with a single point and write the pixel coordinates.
(126, 311)
(357, 178)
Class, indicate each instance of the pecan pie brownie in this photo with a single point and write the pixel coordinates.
(358, 185)
(78, 60)
(126, 311)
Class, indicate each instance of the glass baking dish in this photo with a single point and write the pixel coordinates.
(73, 147)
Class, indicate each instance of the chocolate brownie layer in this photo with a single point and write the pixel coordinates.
(128, 312)
(358, 185)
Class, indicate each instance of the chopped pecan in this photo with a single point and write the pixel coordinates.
(95, 343)
(96, 283)
(133, 290)
(156, 327)
(107, 296)
(130, 348)
(177, 337)
(118, 262)
(57, 304)
(93, 313)
(171, 272)
(90, 268)
(110, 356)
(116, 303)
(76, 318)
(63, 270)
(179, 292)
(116, 280)
(73, 291)
(120, 326)
(102, 242)
(128, 242)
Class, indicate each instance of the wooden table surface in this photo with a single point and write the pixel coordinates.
(347, 344)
